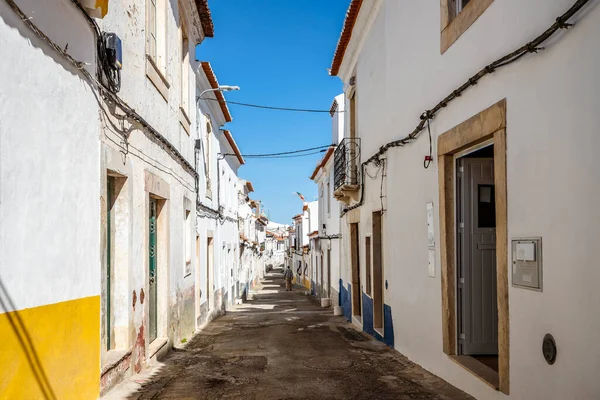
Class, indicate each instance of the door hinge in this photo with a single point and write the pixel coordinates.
(461, 225)
(462, 337)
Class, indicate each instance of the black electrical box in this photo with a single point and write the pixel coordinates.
(112, 42)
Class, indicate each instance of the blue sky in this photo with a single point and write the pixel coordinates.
(278, 52)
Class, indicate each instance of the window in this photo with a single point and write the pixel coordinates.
(185, 66)
(152, 29)
(457, 17)
(187, 232)
(460, 5)
(207, 156)
(328, 199)
(156, 45)
(486, 209)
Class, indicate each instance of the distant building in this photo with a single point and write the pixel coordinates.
(327, 242)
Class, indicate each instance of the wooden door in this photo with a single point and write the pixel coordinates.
(477, 258)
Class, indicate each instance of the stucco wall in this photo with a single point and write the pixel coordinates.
(224, 188)
(150, 169)
(552, 180)
(49, 206)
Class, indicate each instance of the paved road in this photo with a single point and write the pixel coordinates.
(282, 345)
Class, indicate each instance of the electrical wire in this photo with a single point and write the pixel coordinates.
(104, 90)
(281, 153)
(531, 47)
(428, 158)
(306, 110)
(288, 156)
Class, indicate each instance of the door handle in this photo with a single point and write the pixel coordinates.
(491, 246)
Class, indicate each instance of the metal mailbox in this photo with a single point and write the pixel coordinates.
(527, 263)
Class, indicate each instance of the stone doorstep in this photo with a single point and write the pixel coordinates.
(114, 369)
(113, 359)
(158, 345)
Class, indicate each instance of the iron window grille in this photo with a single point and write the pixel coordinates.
(346, 162)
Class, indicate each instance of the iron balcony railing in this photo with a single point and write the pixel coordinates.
(346, 161)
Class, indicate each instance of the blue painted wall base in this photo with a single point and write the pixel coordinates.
(344, 301)
(388, 324)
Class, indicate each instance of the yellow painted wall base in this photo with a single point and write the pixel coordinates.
(51, 351)
(306, 283)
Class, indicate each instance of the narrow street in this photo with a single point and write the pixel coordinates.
(282, 345)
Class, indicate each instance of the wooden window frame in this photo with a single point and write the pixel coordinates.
(488, 124)
(184, 106)
(454, 24)
(156, 63)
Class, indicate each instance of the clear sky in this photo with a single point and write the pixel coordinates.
(278, 52)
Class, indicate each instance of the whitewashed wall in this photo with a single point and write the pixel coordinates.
(49, 158)
(143, 154)
(552, 124)
(225, 186)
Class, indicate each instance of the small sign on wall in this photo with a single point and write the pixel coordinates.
(430, 241)
(431, 267)
(527, 263)
(430, 231)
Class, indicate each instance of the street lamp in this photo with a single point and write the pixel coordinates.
(221, 88)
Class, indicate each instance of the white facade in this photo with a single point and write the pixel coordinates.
(50, 203)
(328, 249)
(252, 239)
(217, 232)
(147, 173)
(551, 179)
(276, 244)
(304, 224)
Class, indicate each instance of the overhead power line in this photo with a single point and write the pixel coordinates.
(288, 156)
(307, 110)
(324, 147)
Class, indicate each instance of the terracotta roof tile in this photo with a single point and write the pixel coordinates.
(323, 161)
(205, 18)
(234, 146)
(345, 36)
(212, 79)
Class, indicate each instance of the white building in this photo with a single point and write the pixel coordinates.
(116, 175)
(149, 171)
(305, 225)
(50, 203)
(217, 271)
(327, 257)
(252, 239)
(481, 252)
(276, 244)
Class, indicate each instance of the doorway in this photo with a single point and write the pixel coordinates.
(477, 306)
(328, 272)
(209, 271)
(152, 270)
(110, 203)
(356, 290)
(377, 273)
(321, 280)
(464, 141)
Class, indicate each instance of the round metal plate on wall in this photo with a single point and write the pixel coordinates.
(549, 349)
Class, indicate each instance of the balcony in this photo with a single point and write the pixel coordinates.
(346, 172)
